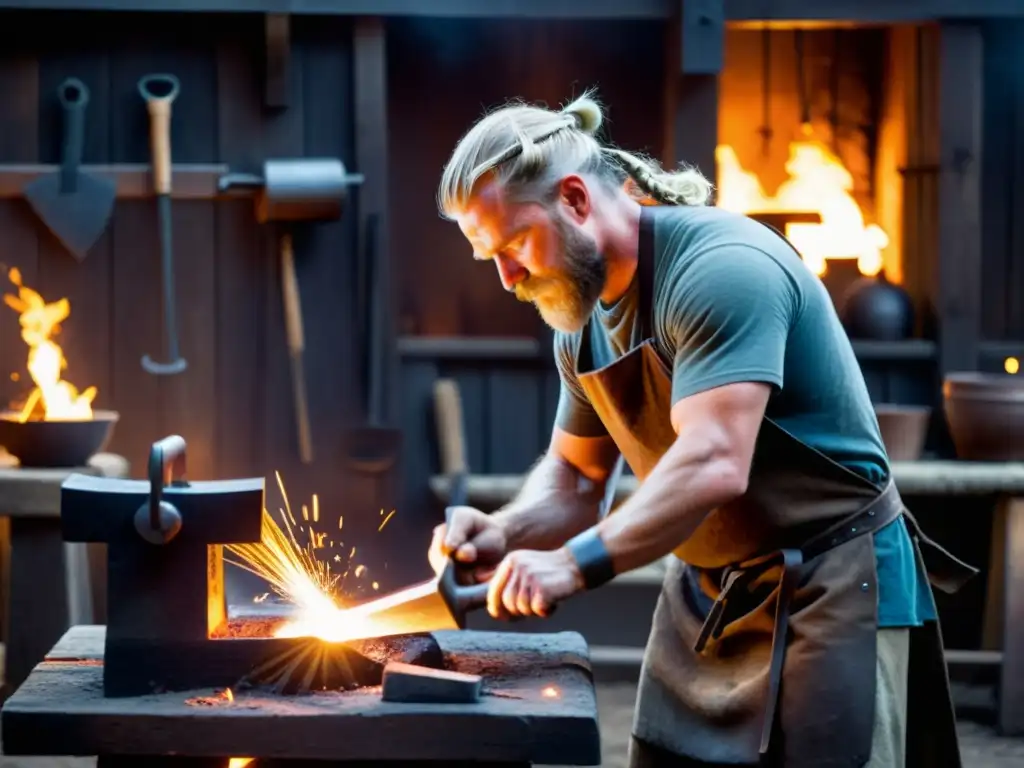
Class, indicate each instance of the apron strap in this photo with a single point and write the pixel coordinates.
(645, 271)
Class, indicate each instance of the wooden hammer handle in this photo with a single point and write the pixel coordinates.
(450, 431)
(290, 294)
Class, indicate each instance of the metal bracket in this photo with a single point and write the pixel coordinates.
(703, 37)
(277, 38)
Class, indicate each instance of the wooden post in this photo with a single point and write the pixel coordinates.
(371, 145)
(694, 53)
(958, 289)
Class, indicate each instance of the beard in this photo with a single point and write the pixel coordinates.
(566, 300)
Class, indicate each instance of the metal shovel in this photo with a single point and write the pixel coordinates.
(75, 206)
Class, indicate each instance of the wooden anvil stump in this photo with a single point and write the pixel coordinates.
(537, 707)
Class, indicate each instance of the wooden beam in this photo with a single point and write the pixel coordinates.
(536, 9)
(703, 37)
(277, 59)
(190, 182)
(957, 291)
(913, 478)
(869, 11)
(473, 348)
(783, 12)
(370, 83)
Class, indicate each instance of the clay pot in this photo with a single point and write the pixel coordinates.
(903, 429)
(985, 412)
(873, 308)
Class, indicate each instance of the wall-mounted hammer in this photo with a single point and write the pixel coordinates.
(296, 190)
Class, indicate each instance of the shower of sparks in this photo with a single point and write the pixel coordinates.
(385, 520)
(286, 557)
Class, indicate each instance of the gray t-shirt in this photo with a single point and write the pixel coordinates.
(733, 302)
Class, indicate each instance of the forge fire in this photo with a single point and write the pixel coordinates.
(52, 398)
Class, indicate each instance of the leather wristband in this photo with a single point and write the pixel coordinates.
(592, 558)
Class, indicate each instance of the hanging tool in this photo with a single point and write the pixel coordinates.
(296, 346)
(75, 206)
(293, 190)
(159, 92)
(374, 446)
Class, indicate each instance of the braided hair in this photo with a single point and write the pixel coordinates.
(529, 149)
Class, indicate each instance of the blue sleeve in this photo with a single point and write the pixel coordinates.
(727, 315)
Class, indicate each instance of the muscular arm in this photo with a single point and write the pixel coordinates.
(563, 491)
(561, 494)
(707, 466)
(729, 320)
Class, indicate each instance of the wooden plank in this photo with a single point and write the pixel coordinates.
(19, 80)
(958, 293)
(190, 181)
(472, 348)
(784, 11)
(696, 124)
(187, 402)
(538, 9)
(911, 349)
(913, 478)
(282, 136)
(326, 252)
(61, 710)
(136, 316)
(35, 493)
(241, 288)
(1014, 274)
(998, 177)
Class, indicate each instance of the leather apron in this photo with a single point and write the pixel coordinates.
(763, 644)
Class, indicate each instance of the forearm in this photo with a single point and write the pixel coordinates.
(550, 507)
(692, 478)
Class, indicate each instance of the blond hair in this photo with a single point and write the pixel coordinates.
(529, 149)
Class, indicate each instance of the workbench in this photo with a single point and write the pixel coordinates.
(538, 707)
(49, 587)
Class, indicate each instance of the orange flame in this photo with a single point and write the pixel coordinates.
(58, 400)
(818, 183)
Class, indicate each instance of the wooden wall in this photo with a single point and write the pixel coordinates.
(443, 75)
(1003, 184)
(234, 403)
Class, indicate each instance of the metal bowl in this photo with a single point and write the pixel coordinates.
(985, 412)
(56, 444)
(903, 428)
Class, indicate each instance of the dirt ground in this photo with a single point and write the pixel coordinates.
(981, 747)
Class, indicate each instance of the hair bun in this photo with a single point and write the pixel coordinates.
(587, 114)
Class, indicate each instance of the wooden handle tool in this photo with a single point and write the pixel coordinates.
(296, 346)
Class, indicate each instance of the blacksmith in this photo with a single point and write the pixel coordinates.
(796, 625)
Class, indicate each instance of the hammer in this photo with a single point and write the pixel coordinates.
(293, 190)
